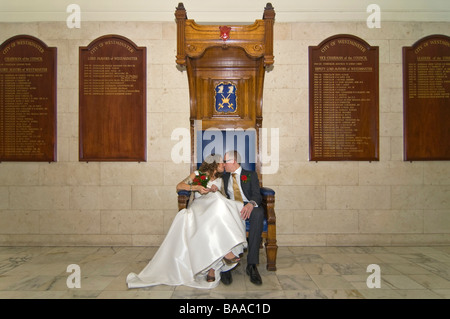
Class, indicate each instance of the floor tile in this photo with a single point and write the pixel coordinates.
(443, 293)
(331, 282)
(376, 293)
(319, 269)
(297, 282)
(342, 294)
(431, 281)
(400, 282)
(305, 294)
(417, 294)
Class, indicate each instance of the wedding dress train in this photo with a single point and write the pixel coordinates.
(198, 239)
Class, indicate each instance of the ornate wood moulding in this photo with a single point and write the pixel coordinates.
(256, 39)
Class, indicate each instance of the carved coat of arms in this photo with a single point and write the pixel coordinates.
(225, 97)
(224, 32)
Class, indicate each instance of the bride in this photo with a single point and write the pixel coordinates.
(205, 239)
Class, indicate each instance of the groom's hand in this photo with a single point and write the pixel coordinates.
(246, 211)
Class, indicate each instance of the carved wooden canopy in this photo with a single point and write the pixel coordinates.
(256, 39)
(225, 66)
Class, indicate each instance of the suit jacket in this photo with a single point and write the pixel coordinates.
(250, 188)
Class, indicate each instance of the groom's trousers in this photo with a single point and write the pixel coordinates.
(254, 235)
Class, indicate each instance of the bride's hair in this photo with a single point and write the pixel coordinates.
(209, 165)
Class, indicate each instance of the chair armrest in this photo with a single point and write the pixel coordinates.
(268, 203)
(265, 191)
(183, 199)
(184, 193)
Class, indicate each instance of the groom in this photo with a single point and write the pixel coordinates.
(243, 185)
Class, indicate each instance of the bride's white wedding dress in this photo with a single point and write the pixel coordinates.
(198, 239)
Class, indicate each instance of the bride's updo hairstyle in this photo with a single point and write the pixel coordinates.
(210, 163)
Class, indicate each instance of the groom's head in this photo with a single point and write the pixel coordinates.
(232, 161)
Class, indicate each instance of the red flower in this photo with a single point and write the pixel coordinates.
(244, 178)
(201, 179)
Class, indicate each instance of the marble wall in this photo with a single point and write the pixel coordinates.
(390, 202)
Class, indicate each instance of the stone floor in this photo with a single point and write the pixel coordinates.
(303, 272)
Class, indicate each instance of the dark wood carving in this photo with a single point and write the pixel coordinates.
(426, 99)
(27, 100)
(112, 100)
(343, 100)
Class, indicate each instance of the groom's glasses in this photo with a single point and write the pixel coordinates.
(228, 161)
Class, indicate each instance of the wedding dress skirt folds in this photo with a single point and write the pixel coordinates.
(198, 239)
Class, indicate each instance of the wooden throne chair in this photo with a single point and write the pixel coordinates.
(225, 67)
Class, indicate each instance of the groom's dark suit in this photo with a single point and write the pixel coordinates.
(252, 192)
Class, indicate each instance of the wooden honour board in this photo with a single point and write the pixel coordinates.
(343, 100)
(112, 100)
(27, 100)
(426, 99)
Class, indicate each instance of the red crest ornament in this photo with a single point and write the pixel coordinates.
(224, 32)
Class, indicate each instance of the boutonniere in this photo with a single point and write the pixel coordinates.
(245, 178)
(201, 179)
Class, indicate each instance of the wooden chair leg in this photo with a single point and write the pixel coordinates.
(271, 241)
(271, 252)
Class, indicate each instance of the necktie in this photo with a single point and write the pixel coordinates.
(236, 191)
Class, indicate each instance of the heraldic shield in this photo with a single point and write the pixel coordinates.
(225, 97)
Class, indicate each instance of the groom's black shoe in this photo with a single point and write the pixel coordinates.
(226, 278)
(253, 273)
